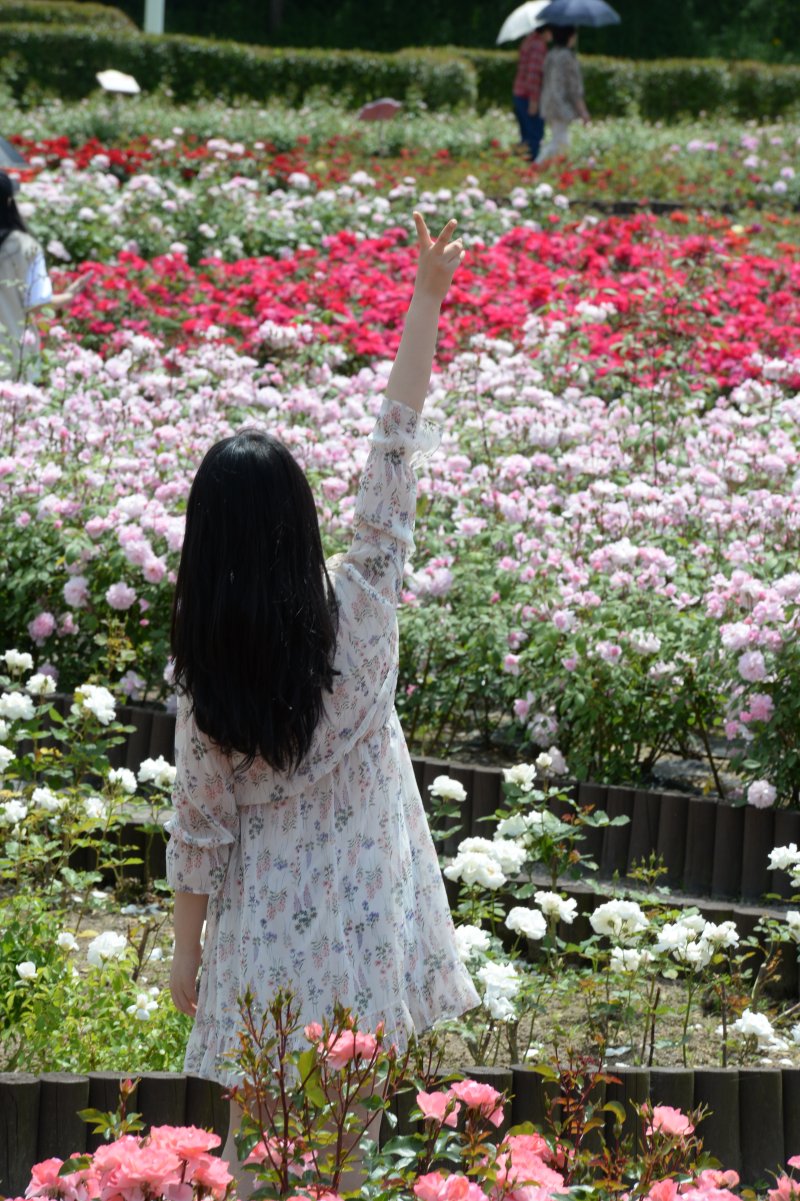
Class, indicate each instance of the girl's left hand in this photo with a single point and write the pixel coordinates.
(438, 260)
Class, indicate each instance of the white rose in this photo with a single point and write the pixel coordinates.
(43, 798)
(16, 706)
(528, 922)
(628, 959)
(95, 808)
(474, 867)
(27, 970)
(124, 777)
(158, 772)
(553, 905)
(108, 945)
(522, 776)
(97, 700)
(470, 940)
(621, 920)
(6, 758)
(41, 685)
(784, 858)
(18, 660)
(447, 789)
(13, 812)
(67, 941)
(723, 935)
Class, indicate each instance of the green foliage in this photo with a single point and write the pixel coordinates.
(65, 12)
(43, 59)
(40, 60)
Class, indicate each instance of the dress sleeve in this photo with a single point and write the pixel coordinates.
(38, 288)
(383, 522)
(205, 822)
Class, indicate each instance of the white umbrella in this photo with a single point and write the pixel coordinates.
(522, 21)
(117, 81)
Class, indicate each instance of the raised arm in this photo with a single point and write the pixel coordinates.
(411, 372)
(383, 521)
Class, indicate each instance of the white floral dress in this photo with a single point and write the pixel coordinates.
(326, 880)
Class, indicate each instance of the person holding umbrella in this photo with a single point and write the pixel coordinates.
(528, 87)
(562, 99)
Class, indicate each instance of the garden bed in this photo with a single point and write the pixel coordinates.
(753, 1126)
(709, 848)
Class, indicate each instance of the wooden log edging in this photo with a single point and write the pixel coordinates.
(710, 848)
(753, 1128)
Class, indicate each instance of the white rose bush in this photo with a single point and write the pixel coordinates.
(635, 961)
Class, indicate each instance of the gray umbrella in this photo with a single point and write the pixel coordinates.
(579, 12)
(10, 156)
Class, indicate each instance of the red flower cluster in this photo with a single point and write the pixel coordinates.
(704, 297)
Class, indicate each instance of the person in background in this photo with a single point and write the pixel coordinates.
(24, 287)
(527, 89)
(562, 91)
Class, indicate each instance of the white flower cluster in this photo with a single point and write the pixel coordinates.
(97, 701)
(16, 706)
(694, 941)
(622, 921)
(17, 660)
(786, 859)
(158, 772)
(108, 945)
(471, 941)
(501, 983)
(485, 861)
(758, 1026)
(447, 789)
(123, 777)
(523, 776)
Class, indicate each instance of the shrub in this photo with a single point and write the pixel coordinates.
(66, 12)
(39, 59)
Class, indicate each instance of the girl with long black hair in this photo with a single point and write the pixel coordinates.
(299, 836)
(24, 287)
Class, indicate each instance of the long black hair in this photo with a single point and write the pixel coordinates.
(10, 216)
(254, 619)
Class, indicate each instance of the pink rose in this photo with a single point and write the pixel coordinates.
(41, 627)
(120, 596)
(434, 1106)
(511, 664)
(752, 666)
(481, 1097)
(436, 1187)
(313, 1032)
(669, 1121)
(343, 1048)
(794, 1162)
(761, 794)
(76, 591)
(663, 1190)
(189, 1142)
(785, 1189)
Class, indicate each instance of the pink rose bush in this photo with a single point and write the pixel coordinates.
(173, 1163)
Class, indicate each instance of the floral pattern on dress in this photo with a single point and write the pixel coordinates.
(326, 880)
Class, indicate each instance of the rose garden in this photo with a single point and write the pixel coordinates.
(600, 635)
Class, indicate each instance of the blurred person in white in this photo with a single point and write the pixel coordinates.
(561, 101)
(25, 286)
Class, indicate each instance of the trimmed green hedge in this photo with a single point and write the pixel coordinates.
(64, 12)
(39, 59)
